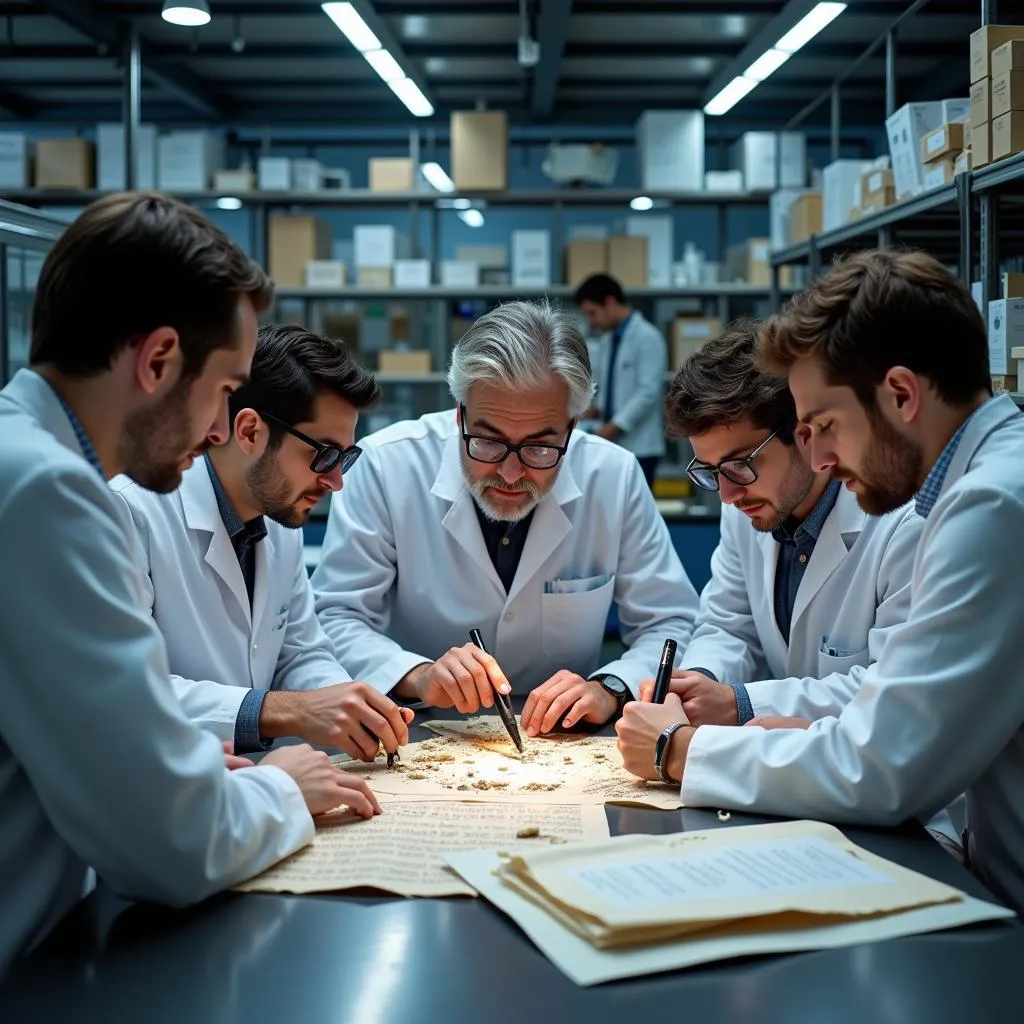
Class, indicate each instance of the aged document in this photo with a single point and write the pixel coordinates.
(474, 759)
(401, 850)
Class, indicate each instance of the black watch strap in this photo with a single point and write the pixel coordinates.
(618, 688)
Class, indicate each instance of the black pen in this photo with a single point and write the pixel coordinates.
(664, 677)
(502, 703)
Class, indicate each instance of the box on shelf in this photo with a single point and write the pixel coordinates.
(940, 172)
(1013, 288)
(65, 163)
(376, 245)
(748, 262)
(723, 182)
(479, 147)
(658, 229)
(580, 162)
(274, 173)
(14, 160)
(805, 217)
(840, 186)
(757, 153)
(325, 274)
(588, 231)
(875, 202)
(460, 274)
(981, 145)
(1008, 134)
(1004, 384)
(780, 203)
(962, 163)
(307, 175)
(947, 138)
(391, 174)
(412, 273)
(416, 361)
(583, 258)
(295, 240)
(627, 260)
(981, 102)
(876, 182)
(1008, 57)
(488, 257)
(984, 41)
(1007, 93)
(110, 160)
(689, 335)
(1005, 333)
(905, 129)
(187, 161)
(670, 150)
(531, 259)
(373, 277)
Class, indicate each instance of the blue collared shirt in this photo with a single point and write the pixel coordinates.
(88, 448)
(930, 490)
(609, 395)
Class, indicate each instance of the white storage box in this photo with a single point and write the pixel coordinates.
(274, 173)
(14, 162)
(375, 245)
(412, 273)
(755, 156)
(460, 274)
(840, 186)
(670, 150)
(187, 161)
(1005, 333)
(531, 259)
(325, 274)
(110, 161)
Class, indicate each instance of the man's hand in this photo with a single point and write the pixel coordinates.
(231, 759)
(566, 693)
(349, 716)
(324, 785)
(464, 678)
(704, 701)
(609, 431)
(639, 728)
(778, 722)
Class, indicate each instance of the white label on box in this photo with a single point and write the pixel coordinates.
(935, 177)
(936, 140)
(412, 273)
(1005, 332)
(875, 182)
(759, 252)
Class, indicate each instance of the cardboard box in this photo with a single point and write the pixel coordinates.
(489, 257)
(805, 217)
(294, 242)
(1007, 93)
(187, 161)
(1013, 288)
(65, 163)
(841, 190)
(110, 160)
(658, 229)
(412, 273)
(947, 138)
(14, 160)
(939, 172)
(981, 145)
(583, 258)
(876, 181)
(1003, 384)
(1008, 134)
(981, 102)
(670, 150)
(375, 245)
(230, 182)
(391, 174)
(307, 175)
(531, 259)
(756, 154)
(325, 274)
(1008, 57)
(414, 362)
(748, 262)
(373, 277)
(627, 260)
(984, 41)
(274, 173)
(905, 129)
(1005, 333)
(479, 146)
(877, 201)
(690, 334)
(460, 274)
(963, 162)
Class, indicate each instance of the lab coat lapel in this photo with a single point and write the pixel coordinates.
(989, 417)
(199, 503)
(261, 589)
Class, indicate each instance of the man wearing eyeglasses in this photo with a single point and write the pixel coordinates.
(499, 515)
(227, 579)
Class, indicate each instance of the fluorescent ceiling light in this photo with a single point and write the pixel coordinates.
(472, 218)
(351, 23)
(729, 96)
(461, 203)
(187, 13)
(641, 203)
(409, 93)
(229, 203)
(809, 26)
(436, 176)
(385, 65)
(768, 63)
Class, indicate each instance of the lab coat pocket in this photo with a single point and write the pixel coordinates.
(573, 622)
(840, 662)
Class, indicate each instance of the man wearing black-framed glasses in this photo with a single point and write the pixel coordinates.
(225, 561)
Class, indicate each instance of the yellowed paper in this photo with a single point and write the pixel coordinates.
(474, 759)
(401, 850)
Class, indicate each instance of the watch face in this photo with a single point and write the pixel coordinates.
(614, 685)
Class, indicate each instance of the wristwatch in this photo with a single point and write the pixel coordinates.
(617, 688)
(661, 753)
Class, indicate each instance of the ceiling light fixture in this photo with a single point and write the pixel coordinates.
(187, 13)
(229, 203)
(774, 57)
(472, 218)
(436, 176)
(641, 203)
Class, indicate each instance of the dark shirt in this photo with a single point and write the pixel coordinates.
(609, 393)
(504, 542)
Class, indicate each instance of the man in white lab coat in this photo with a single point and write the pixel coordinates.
(226, 580)
(630, 372)
(144, 319)
(887, 358)
(805, 586)
(498, 515)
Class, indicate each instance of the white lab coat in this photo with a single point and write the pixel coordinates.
(942, 710)
(404, 574)
(639, 394)
(218, 650)
(854, 592)
(98, 764)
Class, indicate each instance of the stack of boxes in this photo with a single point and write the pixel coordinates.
(1006, 335)
(940, 149)
(997, 93)
(907, 128)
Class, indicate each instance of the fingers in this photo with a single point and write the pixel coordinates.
(495, 675)
(646, 690)
(561, 697)
(227, 746)
(396, 733)
(584, 705)
(356, 795)
(456, 682)
(673, 702)
(538, 702)
(233, 761)
(407, 715)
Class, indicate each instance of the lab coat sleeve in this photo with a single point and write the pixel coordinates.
(655, 598)
(815, 698)
(307, 660)
(355, 579)
(725, 639)
(930, 715)
(134, 788)
(652, 363)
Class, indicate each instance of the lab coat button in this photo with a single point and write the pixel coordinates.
(508, 616)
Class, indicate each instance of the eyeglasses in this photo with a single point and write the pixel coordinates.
(327, 456)
(531, 454)
(740, 471)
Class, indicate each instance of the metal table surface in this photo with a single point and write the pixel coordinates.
(365, 959)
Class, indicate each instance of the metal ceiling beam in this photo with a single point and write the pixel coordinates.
(552, 34)
(182, 85)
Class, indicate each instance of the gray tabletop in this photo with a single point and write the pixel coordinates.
(363, 959)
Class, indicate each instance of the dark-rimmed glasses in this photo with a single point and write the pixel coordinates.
(531, 454)
(739, 471)
(327, 456)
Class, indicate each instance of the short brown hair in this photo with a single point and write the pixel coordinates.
(880, 309)
(722, 384)
(133, 262)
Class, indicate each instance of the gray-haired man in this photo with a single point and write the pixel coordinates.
(499, 516)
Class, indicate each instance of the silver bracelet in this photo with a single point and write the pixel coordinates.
(661, 753)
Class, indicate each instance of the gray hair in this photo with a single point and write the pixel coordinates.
(519, 346)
